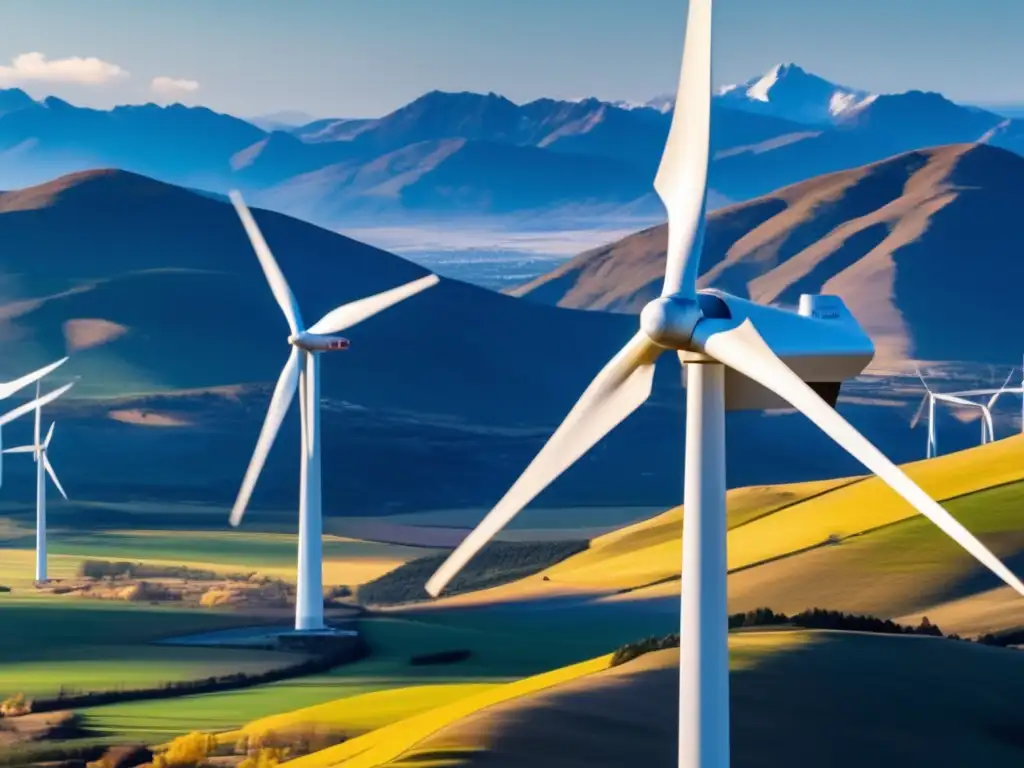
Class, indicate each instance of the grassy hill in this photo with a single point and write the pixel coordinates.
(795, 698)
(888, 237)
(850, 544)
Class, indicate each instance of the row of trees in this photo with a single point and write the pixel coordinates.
(338, 652)
(813, 618)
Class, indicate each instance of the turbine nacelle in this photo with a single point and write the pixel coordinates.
(316, 342)
(822, 343)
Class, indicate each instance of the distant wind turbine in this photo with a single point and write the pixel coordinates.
(932, 397)
(38, 451)
(302, 373)
(736, 355)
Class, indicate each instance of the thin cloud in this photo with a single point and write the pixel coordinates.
(171, 87)
(35, 67)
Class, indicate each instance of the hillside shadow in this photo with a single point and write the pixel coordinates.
(841, 700)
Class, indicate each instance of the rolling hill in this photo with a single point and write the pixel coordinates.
(902, 241)
(794, 697)
(439, 403)
(848, 544)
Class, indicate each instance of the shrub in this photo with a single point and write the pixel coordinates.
(267, 757)
(441, 657)
(4, 589)
(814, 618)
(15, 705)
(186, 751)
(123, 756)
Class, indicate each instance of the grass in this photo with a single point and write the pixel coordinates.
(347, 561)
(774, 521)
(612, 561)
(392, 742)
(387, 743)
(501, 652)
(902, 570)
(362, 713)
(872, 504)
(110, 646)
(795, 699)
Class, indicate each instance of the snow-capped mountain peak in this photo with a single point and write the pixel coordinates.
(789, 91)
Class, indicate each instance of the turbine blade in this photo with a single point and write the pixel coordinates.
(53, 476)
(621, 387)
(21, 449)
(995, 397)
(681, 182)
(8, 388)
(354, 312)
(957, 400)
(24, 408)
(920, 412)
(921, 377)
(280, 401)
(49, 434)
(278, 285)
(742, 348)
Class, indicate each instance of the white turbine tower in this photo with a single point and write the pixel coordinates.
(736, 354)
(8, 388)
(38, 449)
(302, 373)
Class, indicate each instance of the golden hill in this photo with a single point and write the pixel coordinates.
(848, 544)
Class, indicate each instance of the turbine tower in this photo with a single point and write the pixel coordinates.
(735, 355)
(10, 387)
(302, 372)
(38, 449)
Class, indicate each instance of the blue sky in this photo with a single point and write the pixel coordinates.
(365, 57)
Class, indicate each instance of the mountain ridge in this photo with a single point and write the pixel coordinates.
(888, 237)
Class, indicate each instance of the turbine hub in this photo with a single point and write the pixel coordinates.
(670, 321)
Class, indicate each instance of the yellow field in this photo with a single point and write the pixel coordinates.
(771, 521)
(870, 504)
(387, 743)
(356, 715)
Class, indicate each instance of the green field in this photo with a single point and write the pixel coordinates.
(501, 652)
(346, 561)
(92, 645)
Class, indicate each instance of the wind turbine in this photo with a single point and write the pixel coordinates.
(8, 388)
(38, 449)
(956, 398)
(302, 372)
(735, 355)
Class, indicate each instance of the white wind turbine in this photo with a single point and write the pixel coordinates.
(735, 354)
(956, 398)
(302, 372)
(38, 449)
(8, 388)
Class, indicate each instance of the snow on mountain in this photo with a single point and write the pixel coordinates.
(788, 91)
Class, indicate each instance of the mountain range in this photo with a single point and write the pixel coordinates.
(918, 245)
(439, 403)
(456, 156)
